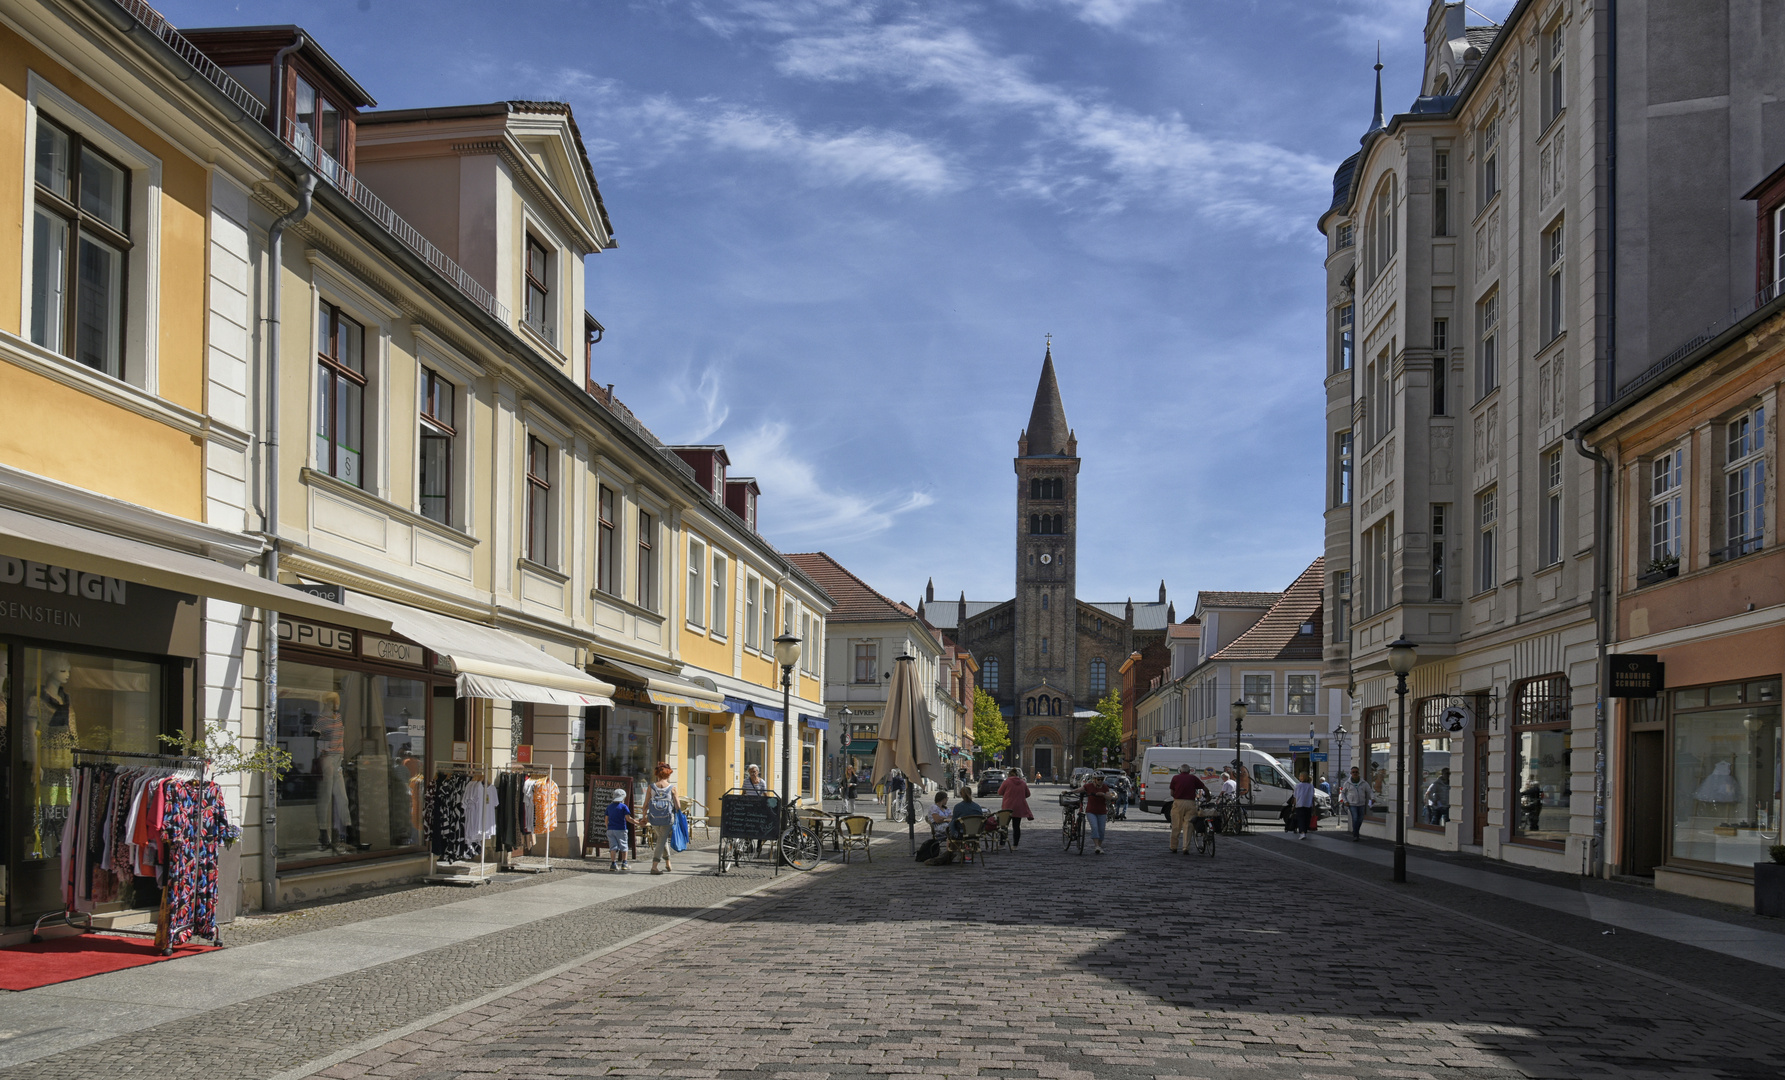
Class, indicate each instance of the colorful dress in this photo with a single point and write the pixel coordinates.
(194, 823)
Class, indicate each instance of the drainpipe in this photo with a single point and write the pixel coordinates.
(1602, 563)
(269, 626)
(276, 95)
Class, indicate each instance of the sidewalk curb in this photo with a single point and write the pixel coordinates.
(1499, 928)
(346, 1053)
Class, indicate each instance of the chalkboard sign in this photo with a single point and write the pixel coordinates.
(744, 816)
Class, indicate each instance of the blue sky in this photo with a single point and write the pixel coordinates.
(846, 225)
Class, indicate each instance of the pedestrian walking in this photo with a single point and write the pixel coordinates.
(895, 794)
(619, 837)
(1096, 794)
(1437, 799)
(661, 806)
(1304, 805)
(1356, 794)
(1013, 795)
(1186, 789)
(850, 779)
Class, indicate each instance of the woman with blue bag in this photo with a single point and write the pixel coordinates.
(662, 806)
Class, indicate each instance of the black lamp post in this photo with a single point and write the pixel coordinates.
(1401, 655)
(1238, 712)
(787, 654)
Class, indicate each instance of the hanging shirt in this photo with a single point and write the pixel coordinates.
(545, 805)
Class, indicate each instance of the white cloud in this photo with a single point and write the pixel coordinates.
(797, 504)
(1109, 14)
(706, 396)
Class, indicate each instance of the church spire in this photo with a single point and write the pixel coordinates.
(1047, 434)
(1377, 124)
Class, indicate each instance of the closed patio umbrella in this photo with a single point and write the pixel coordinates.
(907, 740)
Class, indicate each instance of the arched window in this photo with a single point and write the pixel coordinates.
(1034, 524)
(1381, 239)
(988, 675)
(1099, 677)
(1034, 488)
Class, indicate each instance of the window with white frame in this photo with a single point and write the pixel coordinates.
(1554, 308)
(1666, 508)
(1487, 355)
(1303, 692)
(788, 608)
(1487, 521)
(721, 582)
(438, 435)
(1552, 508)
(537, 311)
(768, 617)
(1487, 155)
(809, 650)
(1744, 483)
(1344, 327)
(1381, 237)
(697, 565)
(1342, 469)
(80, 248)
(340, 395)
(540, 548)
(646, 596)
(1257, 694)
(1440, 545)
(751, 587)
(607, 541)
(1553, 98)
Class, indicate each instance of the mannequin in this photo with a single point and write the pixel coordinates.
(327, 728)
(49, 735)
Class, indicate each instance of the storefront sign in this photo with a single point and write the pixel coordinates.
(524, 753)
(461, 751)
(391, 652)
(1636, 675)
(315, 636)
(334, 594)
(38, 600)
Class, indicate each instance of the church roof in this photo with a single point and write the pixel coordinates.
(1148, 616)
(942, 613)
(856, 600)
(1278, 635)
(1048, 433)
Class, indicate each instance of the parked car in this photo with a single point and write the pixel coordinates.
(1080, 775)
(989, 780)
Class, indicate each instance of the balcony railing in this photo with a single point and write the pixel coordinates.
(328, 168)
(1661, 367)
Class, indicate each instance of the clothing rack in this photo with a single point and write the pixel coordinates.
(84, 909)
(484, 871)
(550, 773)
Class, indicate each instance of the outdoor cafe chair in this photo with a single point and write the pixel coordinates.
(697, 816)
(857, 833)
(972, 838)
(1003, 827)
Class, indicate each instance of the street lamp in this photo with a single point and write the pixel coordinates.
(1401, 655)
(787, 654)
(1238, 712)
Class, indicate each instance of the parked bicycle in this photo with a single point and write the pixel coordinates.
(1232, 815)
(1072, 829)
(1206, 825)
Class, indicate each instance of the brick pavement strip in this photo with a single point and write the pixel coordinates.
(1137, 964)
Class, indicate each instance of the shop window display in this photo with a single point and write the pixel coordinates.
(1542, 761)
(1376, 767)
(756, 746)
(1433, 773)
(357, 742)
(1726, 772)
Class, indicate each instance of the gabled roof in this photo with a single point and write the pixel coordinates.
(856, 600)
(1278, 635)
(1230, 599)
(942, 614)
(1148, 616)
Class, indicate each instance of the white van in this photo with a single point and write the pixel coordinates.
(1271, 783)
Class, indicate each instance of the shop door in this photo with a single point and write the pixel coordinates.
(1044, 761)
(697, 769)
(1644, 805)
(1479, 790)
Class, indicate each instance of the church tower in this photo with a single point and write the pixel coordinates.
(1046, 639)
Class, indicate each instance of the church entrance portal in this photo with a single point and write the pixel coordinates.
(1044, 761)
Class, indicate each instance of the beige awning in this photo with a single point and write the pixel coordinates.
(57, 543)
(490, 663)
(666, 689)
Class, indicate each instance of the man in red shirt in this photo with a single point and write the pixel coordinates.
(1186, 789)
(1096, 794)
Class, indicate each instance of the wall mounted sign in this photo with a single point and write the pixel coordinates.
(392, 652)
(1636, 675)
(40, 600)
(310, 635)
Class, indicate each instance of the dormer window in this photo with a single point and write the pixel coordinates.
(316, 117)
(537, 312)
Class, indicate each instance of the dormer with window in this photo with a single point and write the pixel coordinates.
(318, 102)
(1768, 198)
(709, 464)
(741, 494)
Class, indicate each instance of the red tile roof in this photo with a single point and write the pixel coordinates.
(1278, 634)
(856, 601)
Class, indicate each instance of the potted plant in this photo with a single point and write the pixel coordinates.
(1667, 566)
(1769, 884)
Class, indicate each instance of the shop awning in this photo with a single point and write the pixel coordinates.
(863, 747)
(57, 543)
(666, 689)
(818, 722)
(490, 663)
(767, 712)
(761, 712)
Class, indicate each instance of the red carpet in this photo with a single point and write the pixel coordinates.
(26, 967)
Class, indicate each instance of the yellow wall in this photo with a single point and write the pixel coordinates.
(60, 432)
(185, 197)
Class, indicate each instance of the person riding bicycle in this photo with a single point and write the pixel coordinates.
(1186, 789)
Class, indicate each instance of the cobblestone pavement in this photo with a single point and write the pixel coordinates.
(1135, 964)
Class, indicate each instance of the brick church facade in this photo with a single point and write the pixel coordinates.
(1045, 655)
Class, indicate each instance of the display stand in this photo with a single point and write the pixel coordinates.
(484, 871)
(83, 908)
(540, 866)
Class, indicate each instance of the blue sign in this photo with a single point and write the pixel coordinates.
(1301, 748)
(1316, 757)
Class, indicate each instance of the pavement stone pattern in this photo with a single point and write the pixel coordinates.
(279, 1031)
(1134, 964)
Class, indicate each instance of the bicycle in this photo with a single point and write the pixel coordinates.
(1072, 830)
(800, 845)
(1206, 826)
(1231, 814)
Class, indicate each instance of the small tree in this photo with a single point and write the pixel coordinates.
(223, 754)
(991, 735)
(1104, 731)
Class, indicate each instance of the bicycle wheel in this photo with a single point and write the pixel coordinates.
(1066, 833)
(1208, 842)
(800, 847)
(1079, 834)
